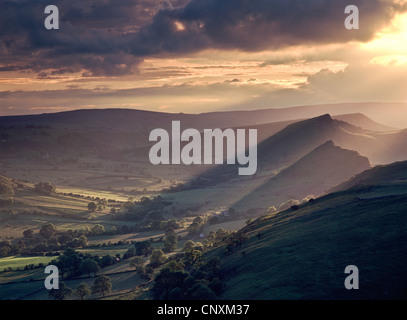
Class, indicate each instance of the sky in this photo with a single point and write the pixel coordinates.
(197, 56)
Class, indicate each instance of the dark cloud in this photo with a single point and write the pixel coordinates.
(94, 35)
(256, 25)
(112, 37)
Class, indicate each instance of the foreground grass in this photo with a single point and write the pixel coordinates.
(303, 254)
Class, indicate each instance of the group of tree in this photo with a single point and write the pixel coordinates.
(7, 248)
(73, 263)
(48, 239)
(144, 211)
(235, 241)
(142, 248)
(159, 224)
(102, 285)
(170, 241)
(45, 188)
(190, 275)
(99, 206)
(196, 227)
(200, 282)
(138, 263)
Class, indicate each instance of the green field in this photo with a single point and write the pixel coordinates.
(19, 262)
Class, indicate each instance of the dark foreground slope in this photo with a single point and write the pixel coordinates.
(302, 254)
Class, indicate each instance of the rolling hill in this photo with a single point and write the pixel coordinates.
(376, 176)
(295, 141)
(302, 254)
(313, 174)
(362, 121)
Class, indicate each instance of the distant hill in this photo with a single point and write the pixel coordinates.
(388, 113)
(83, 137)
(302, 254)
(295, 141)
(362, 121)
(391, 114)
(313, 174)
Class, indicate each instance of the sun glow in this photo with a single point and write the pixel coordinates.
(390, 44)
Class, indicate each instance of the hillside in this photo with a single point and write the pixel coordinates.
(302, 254)
(295, 141)
(391, 114)
(313, 174)
(362, 121)
(102, 140)
(377, 175)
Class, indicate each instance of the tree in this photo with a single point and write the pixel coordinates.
(97, 229)
(188, 246)
(143, 248)
(82, 290)
(101, 285)
(83, 241)
(166, 281)
(196, 226)
(47, 231)
(4, 251)
(175, 266)
(106, 261)
(45, 187)
(192, 257)
(61, 293)
(171, 241)
(28, 233)
(137, 262)
(131, 252)
(68, 262)
(88, 266)
(288, 204)
(92, 206)
(157, 258)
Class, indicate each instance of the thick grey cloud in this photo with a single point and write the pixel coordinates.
(109, 37)
(256, 25)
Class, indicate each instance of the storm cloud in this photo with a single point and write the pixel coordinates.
(108, 37)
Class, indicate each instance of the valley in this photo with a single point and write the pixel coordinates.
(83, 181)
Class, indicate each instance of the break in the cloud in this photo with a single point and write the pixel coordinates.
(113, 37)
(199, 55)
(355, 83)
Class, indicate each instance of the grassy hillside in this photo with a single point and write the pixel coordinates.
(377, 175)
(302, 254)
(362, 121)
